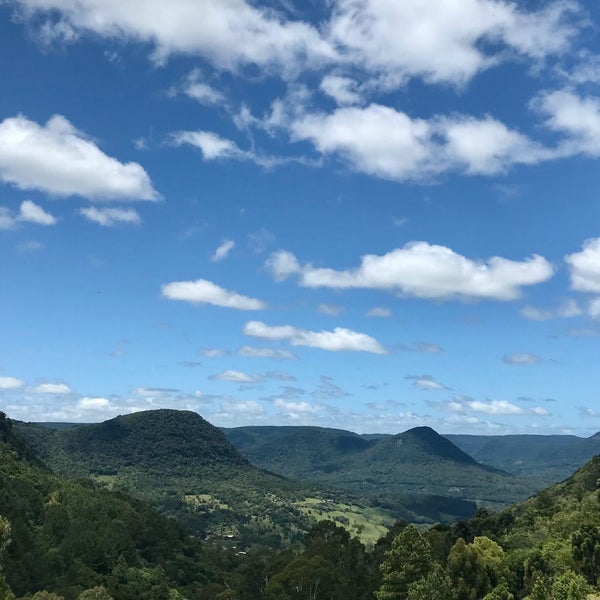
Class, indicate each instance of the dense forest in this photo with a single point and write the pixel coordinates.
(74, 538)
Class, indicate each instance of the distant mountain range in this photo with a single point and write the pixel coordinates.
(548, 457)
(418, 461)
(268, 483)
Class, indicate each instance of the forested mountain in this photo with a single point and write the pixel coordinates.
(181, 464)
(548, 457)
(67, 536)
(187, 468)
(418, 461)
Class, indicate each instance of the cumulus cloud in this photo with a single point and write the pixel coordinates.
(384, 142)
(276, 353)
(425, 271)
(340, 339)
(212, 145)
(222, 251)
(10, 383)
(521, 358)
(29, 212)
(109, 217)
(575, 117)
(426, 382)
(93, 403)
(51, 388)
(445, 42)
(493, 407)
(33, 213)
(202, 291)
(295, 409)
(237, 377)
(585, 267)
(60, 160)
(228, 33)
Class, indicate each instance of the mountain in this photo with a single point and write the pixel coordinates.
(418, 461)
(181, 464)
(65, 536)
(549, 458)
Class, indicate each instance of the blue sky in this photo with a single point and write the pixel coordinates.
(364, 214)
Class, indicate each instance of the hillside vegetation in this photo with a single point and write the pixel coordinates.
(416, 462)
(64, 538)
(549, 458)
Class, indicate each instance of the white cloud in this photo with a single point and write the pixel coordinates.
(567, 310)
(577, 118)
(33, 213)
(425, 271)
(331, 310)
(51, 388)
(212, 145)
(216, 147)
(379, 311)
(444, 42)
(109, 217)
(201, 91)
(295, 408)
(341, 89)
(426, 382)
(202, 291)
(585, 267)
(487, 146)
(10, 383)
(493, 407)
(58, 159)
(376, 140)
(228, 33)
(384, 142)
(340, 339)
(222, 251)
(276, 353)
(91, 404)
(29, 212)
(237, 377)
(521, 358)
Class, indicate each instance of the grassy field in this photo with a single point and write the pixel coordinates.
(367, 523)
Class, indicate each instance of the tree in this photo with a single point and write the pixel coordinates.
(500, 592)
(585, 543)
(476, 568)
(5, 591)
(405, 563)
(435, 586)
(96, 593)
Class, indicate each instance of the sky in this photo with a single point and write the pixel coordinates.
(364, 214)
